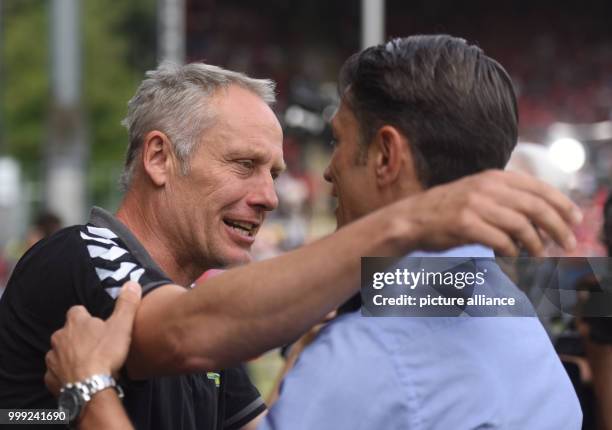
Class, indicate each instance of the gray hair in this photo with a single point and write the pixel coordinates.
(175, 100)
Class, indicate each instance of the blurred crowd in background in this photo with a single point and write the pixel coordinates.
(559, 56)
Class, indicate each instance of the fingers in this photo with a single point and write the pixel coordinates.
(533, 202)
(52, 382)
(126, 306)
(567, 209)
(515, 225)
(472, 229)
(76, 316)
(548, 220)
(50, 359)
(521, 215)
(77, 313)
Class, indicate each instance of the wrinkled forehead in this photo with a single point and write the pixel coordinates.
(246, 127)
(240, 110)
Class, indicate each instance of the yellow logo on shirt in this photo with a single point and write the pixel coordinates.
(215, 377)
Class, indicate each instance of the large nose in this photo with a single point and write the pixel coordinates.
(263, 195)
(327, 173)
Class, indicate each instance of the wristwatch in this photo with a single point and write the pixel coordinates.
(73, 396)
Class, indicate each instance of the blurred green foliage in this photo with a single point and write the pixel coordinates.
(25, 80)
(118, 45)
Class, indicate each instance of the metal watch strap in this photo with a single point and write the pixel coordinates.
(97, 383)
(84, 390)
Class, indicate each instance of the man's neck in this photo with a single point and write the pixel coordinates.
(148, 229)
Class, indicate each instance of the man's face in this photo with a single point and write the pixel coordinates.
(220, 205)
(351, 177)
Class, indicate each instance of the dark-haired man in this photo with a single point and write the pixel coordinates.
(415, 113)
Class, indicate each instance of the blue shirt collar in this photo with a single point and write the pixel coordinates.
(477, 251)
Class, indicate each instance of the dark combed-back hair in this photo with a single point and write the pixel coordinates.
(455, 105)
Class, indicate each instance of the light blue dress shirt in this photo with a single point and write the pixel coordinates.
(428, 373)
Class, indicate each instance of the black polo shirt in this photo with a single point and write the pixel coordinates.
(86, 265)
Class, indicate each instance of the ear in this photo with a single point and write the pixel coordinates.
(390, 147)
(157, 157)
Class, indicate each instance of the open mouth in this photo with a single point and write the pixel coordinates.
(243, 228)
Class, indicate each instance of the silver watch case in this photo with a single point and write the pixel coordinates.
(73, 396)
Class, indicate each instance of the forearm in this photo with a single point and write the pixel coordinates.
(105, 411)
(267, 304)
(248, 310)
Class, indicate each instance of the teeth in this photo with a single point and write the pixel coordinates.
(241, 231)
(244, 228)
(244, 225)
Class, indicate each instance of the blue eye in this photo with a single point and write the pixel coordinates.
(246, 163)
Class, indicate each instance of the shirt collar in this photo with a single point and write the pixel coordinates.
(101, 218)
(474, 251)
